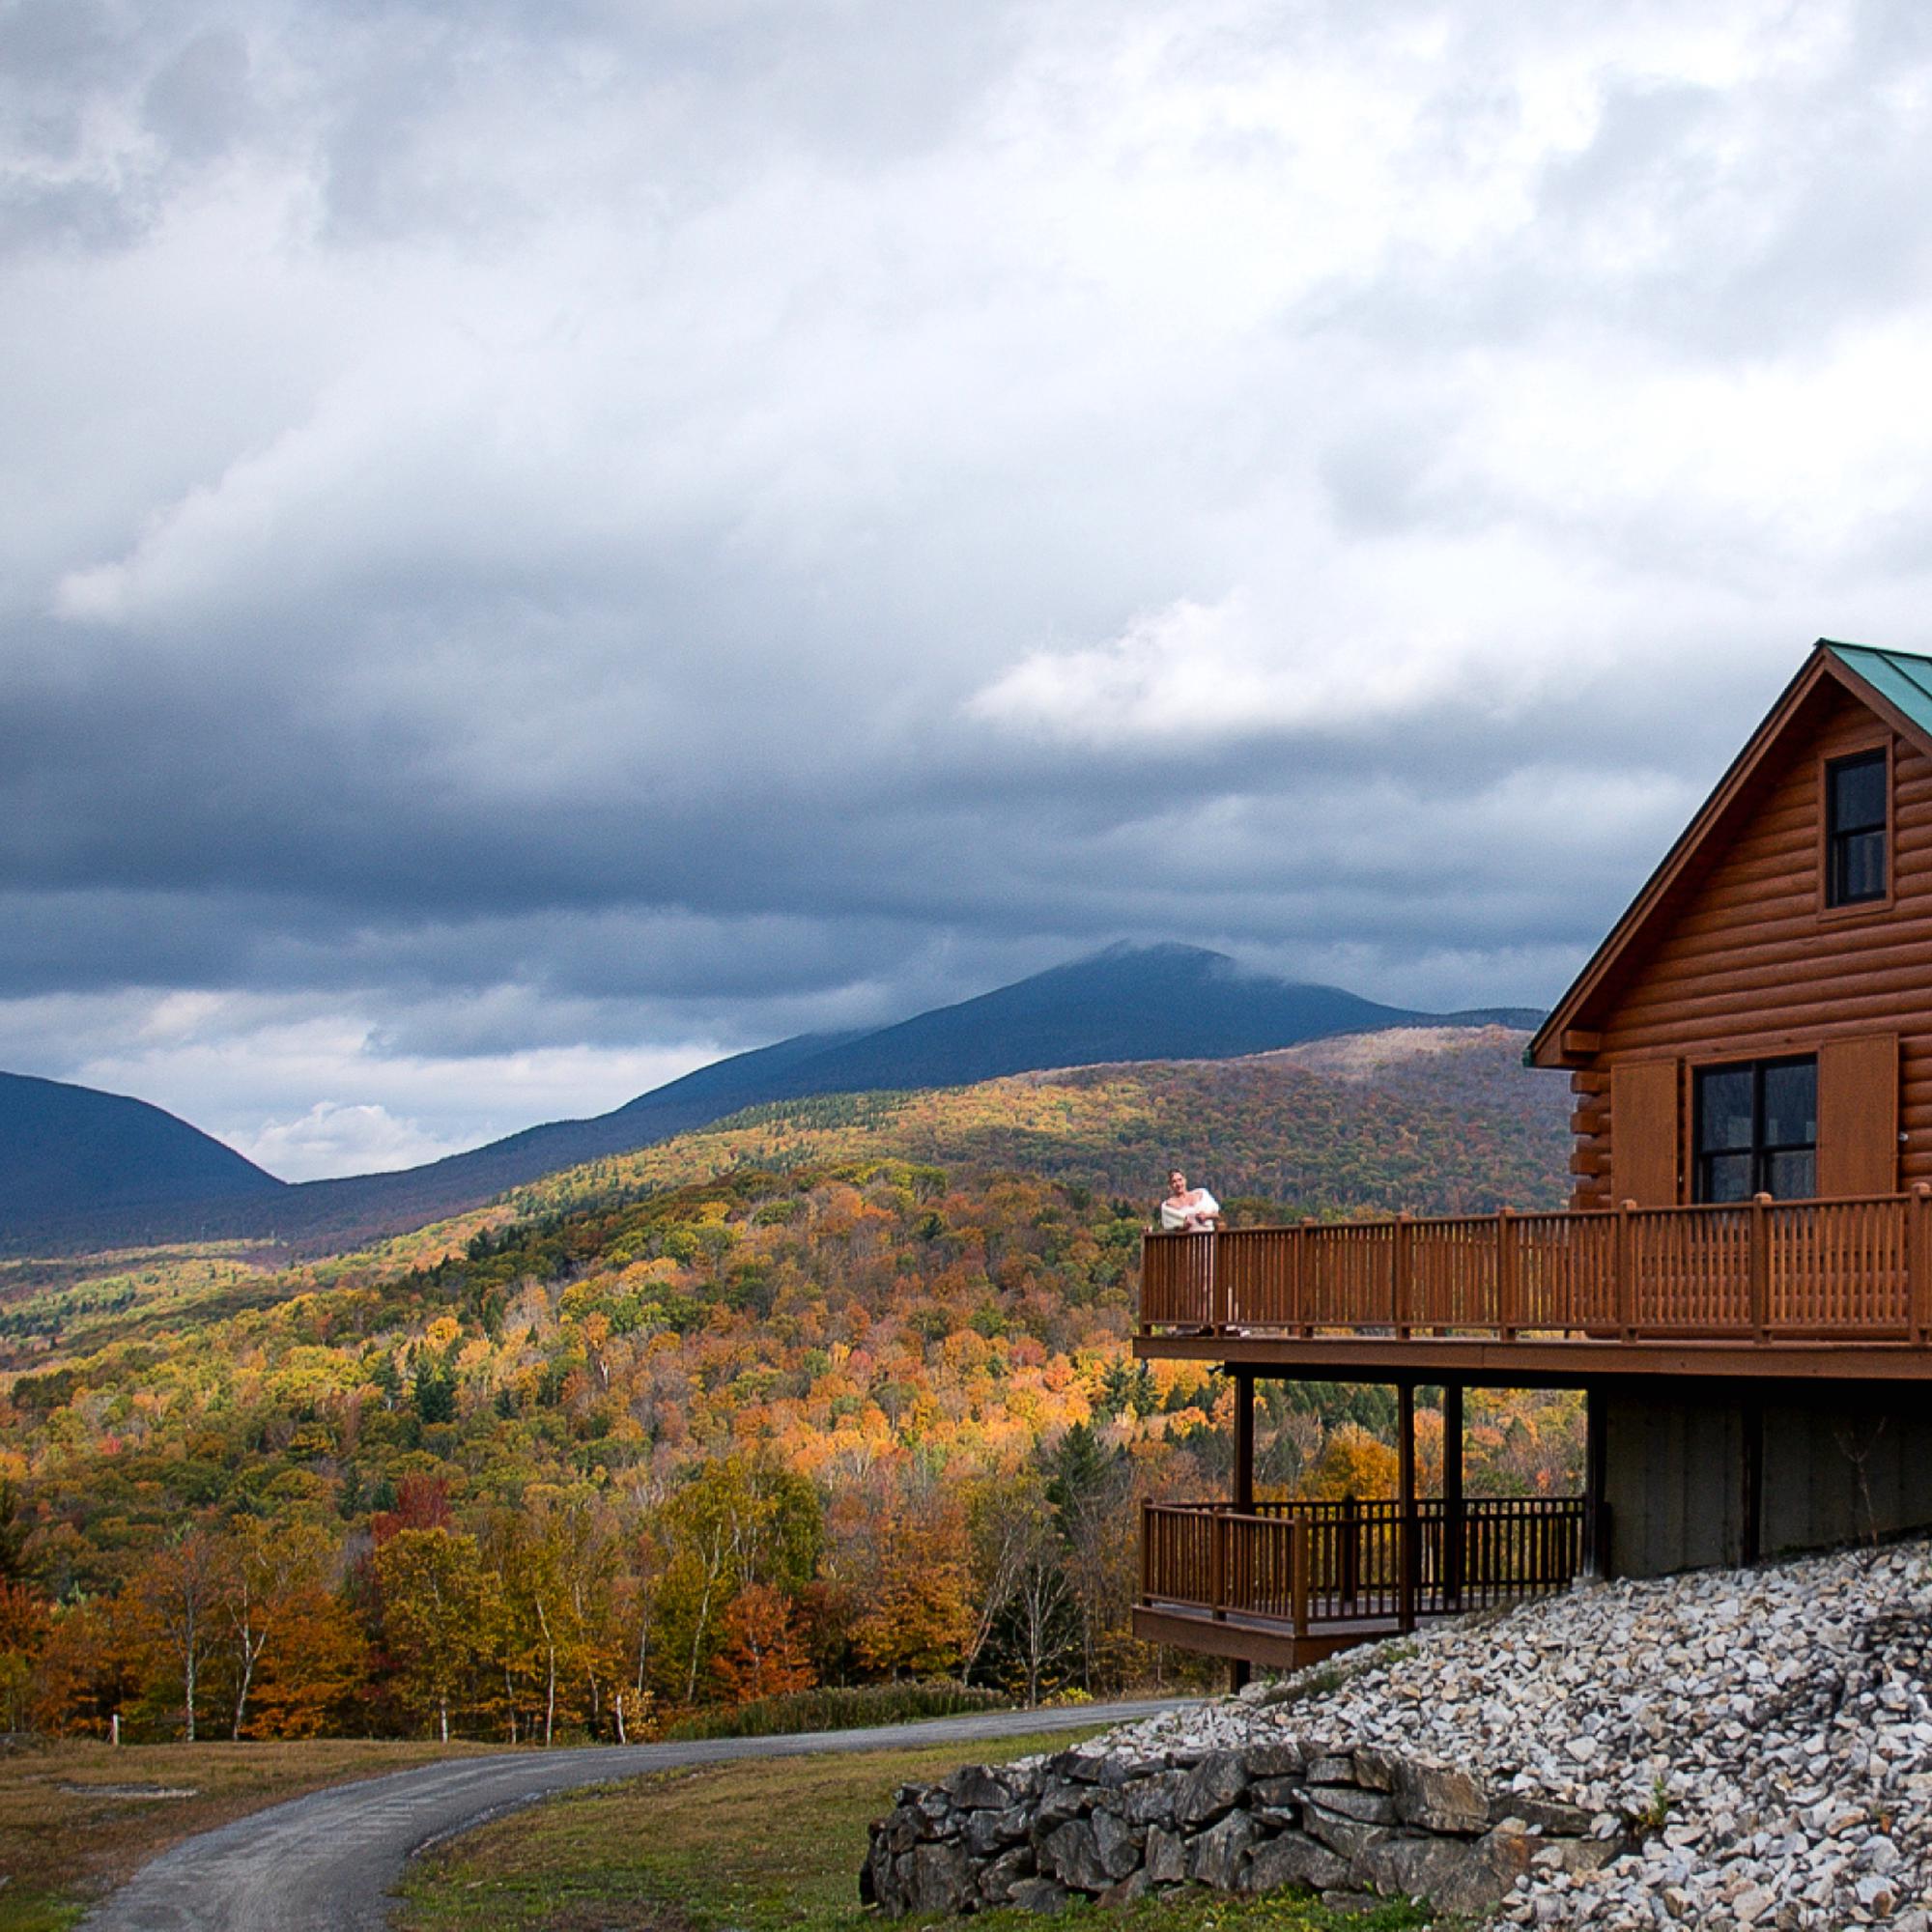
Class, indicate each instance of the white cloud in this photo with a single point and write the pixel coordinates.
(332, 1139)
(538, 545)
(1194, 672)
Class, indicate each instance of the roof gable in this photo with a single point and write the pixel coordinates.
(1895, 684)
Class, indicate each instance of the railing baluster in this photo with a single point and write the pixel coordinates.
(1506, 1275)
(1402, 1286)
(1760, 1267)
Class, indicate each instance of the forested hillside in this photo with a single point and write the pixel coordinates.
(1433, 1121)
(835, 1394)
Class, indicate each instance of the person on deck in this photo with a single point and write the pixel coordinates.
(1188, 1210)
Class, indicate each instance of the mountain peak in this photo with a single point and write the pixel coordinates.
(1127, 1002)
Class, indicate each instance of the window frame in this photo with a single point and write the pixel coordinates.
(1829, 908)
(1760, 1152)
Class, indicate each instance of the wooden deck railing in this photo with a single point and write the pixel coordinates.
(1761, 1271)
(1307, 1565)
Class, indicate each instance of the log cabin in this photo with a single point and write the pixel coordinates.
(1742, 1283)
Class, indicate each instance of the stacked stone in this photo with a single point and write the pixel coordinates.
(1113, 1822)
(1770, 1731)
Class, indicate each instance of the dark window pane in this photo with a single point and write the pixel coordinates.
(1860, 866)
(1855, 856)
(1857, 794)
(1757, 1129)
(1791, 1104)
(1792, 1177)
(1727, 1177)
(1724, 1110)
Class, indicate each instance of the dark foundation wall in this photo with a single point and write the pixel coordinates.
(1673, 1476)
(1697, 1474)
(1857, 1469)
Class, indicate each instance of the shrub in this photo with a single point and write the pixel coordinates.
(853, 1708)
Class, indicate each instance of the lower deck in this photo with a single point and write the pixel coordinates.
(1287, 1584)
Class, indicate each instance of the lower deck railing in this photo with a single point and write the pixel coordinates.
(1761, 1271)
(1306, 1565)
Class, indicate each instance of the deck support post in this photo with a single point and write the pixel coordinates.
(1454, 1522)
(1407, 1544)
(1243, 1497)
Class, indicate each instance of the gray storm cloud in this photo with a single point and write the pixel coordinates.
(541, 543)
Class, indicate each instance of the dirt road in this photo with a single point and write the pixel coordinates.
(328, 1862)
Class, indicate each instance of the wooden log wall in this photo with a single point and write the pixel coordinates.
(1752, 965)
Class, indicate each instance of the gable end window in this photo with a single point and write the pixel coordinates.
(1855, 820)
(1756, 1130)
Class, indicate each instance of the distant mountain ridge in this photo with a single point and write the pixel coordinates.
(1168, 1002)
(74, 1150)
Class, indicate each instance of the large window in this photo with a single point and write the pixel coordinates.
(1757, 1130)
(1854, 829)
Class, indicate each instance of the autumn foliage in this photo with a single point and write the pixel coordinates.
(639, 1444)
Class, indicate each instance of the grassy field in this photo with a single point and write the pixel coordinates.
(772, 1846)
(77, 1819)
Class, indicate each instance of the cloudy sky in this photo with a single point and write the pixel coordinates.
(541, 542)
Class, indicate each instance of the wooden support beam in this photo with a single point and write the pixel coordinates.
(1406, 1546)
(1404, 1445)
(1243, 1497)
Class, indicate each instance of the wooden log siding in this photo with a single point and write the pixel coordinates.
(1748, 963)
(1854, 1271)
(1324, 1564)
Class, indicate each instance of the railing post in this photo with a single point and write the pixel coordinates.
(1506, 1281)
(1625, 1271)
(1147, 1550)
(1217, 1586)
(1302, 1276)
(1399, 1298)
(1408, 1547)
(1760, 1267)
(1348, 1533)
(1297, 1573)
(1919, 1260)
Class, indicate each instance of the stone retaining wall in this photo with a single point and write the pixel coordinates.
(1110, 1824)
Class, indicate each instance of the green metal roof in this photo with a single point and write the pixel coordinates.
(1903, 678)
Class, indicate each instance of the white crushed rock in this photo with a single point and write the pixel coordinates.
(1777, 1721)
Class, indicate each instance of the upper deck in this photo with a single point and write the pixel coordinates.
(1837, 1289)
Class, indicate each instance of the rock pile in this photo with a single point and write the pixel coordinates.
(1757, 1745)
(1112, 1822)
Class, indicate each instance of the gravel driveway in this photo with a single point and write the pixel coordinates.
(331, 1859)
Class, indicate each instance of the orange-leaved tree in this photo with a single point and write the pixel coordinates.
(763, 1653)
